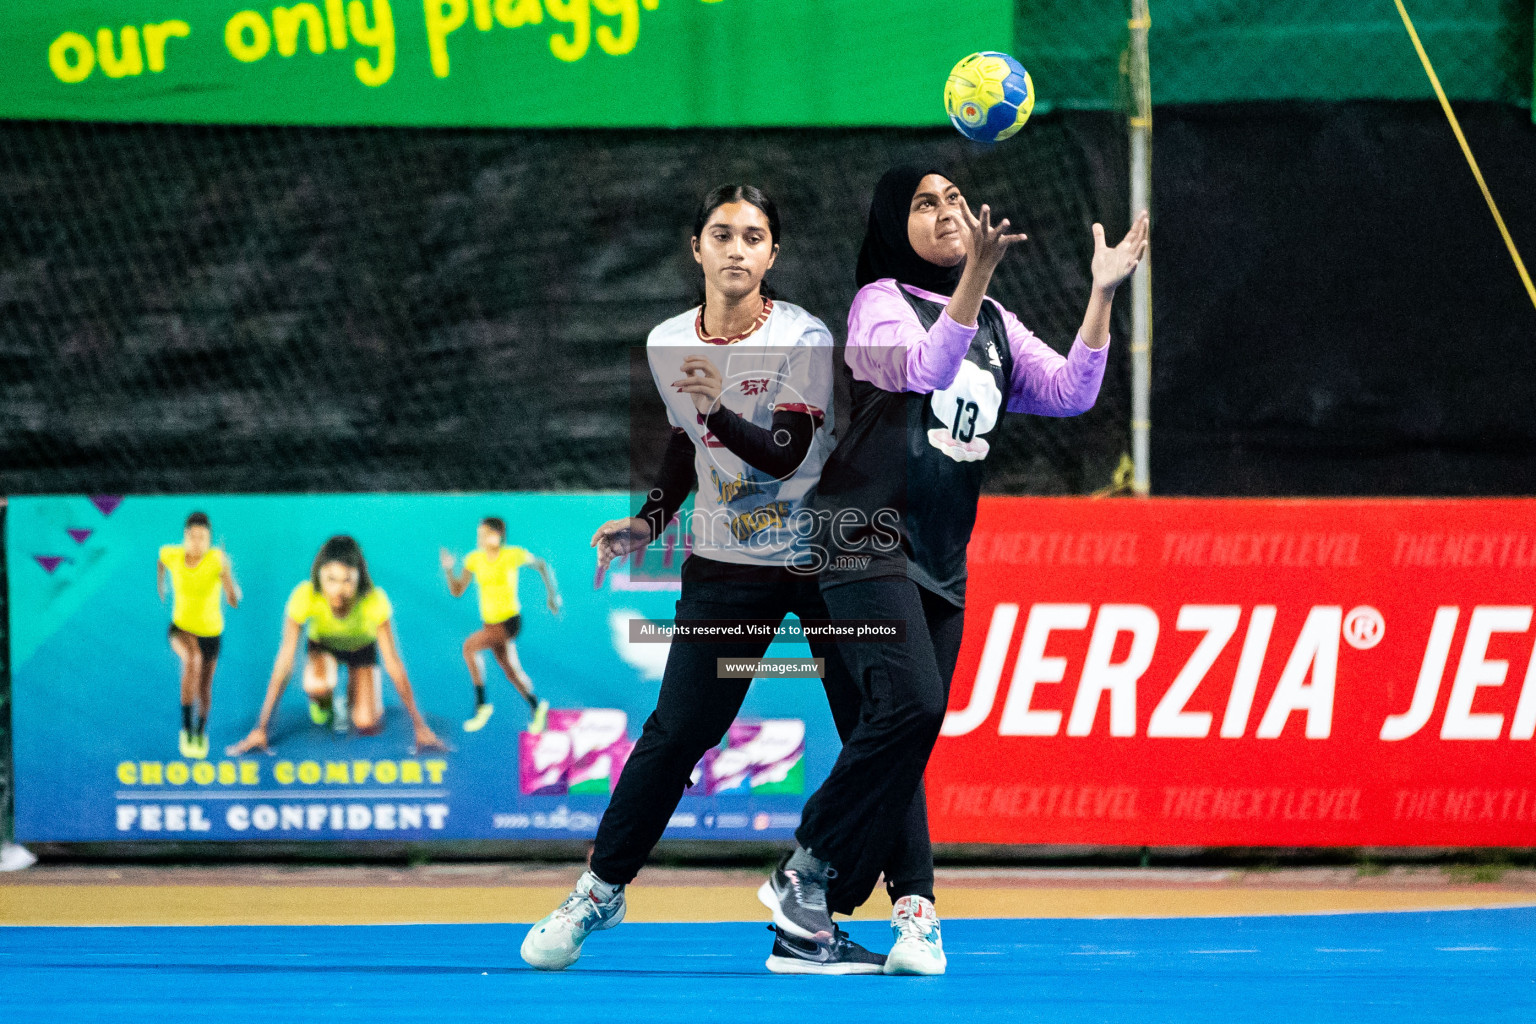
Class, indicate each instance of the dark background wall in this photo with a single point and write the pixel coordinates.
(189, 308)
(238, 309)
(353, 309)
(1336, 312)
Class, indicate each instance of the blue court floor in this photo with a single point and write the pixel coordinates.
(1477, 965)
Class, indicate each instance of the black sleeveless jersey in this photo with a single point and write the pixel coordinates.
(898, 494)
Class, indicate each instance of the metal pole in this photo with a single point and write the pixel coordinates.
(1141, 281)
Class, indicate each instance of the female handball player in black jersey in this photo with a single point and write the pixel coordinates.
(932, 362)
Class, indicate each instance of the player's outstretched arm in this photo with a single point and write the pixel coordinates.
(160, 579)
(232, 592)
(619, 537)
(389, 652)
(1111, 267)
(457, 583)
(551, 588)
(985, 246)
(282, 668)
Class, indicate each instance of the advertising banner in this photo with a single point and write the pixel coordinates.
(492, 63)
(112, 678)
(1240, 672)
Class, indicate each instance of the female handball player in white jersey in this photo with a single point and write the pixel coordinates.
(747, 382)
(932, 361)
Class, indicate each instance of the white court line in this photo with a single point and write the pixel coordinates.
(1155, 875)
(1223, 951)
(1517, 901)
(1104, 952)
(1326, 949)
(1466, 949)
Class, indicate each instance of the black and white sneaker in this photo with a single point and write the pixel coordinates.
(792, 955)
(798, 900)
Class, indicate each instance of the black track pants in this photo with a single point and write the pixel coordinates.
(864, 817)
(695, 708)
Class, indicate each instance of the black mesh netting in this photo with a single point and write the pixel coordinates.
(260, 309)
(6, 794)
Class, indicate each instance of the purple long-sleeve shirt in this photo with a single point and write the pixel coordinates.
(888, 347)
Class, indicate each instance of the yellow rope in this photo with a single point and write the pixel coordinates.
(1466, 150)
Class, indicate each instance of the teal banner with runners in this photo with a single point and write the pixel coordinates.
(303, 667)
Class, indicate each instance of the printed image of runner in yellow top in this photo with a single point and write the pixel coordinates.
(494, 565)
(347, 620)
(200, 579)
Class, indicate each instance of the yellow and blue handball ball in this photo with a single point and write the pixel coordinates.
(989, 96)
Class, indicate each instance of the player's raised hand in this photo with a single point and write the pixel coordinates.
(619, 537)
(1111, 266)
(985, 244)
(446, 560)
(701, 382)
(256, 739)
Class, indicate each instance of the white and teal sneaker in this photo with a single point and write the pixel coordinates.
(918, 949)
(555, 942)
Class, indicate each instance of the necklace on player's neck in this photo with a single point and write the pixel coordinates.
(733, 326)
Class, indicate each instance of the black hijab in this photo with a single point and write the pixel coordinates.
(887, 251)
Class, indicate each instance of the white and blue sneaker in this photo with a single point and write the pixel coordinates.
(919, 949)
(555, 942)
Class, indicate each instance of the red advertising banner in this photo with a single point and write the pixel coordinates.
(1244, 672)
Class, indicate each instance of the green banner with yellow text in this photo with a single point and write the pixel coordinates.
(522, 63)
